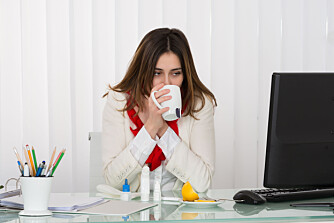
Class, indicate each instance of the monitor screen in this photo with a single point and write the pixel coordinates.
(300, 140)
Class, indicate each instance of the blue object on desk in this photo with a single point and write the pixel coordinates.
(40, 168)
(126, 186)
(125, 218)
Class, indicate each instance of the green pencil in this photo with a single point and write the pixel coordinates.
(58, 161)
(34, 156)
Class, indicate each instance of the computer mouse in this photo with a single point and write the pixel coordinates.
(248, 197)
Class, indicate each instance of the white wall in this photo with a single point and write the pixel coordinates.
(58, 56)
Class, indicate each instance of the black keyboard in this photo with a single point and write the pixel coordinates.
(292, 194)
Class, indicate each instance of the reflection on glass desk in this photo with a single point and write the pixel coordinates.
(168, 211)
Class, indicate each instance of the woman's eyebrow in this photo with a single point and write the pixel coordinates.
(179, 68)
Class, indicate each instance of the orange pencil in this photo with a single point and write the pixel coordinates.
(27, 160)
(31, 162)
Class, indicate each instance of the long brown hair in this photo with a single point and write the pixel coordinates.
(138, 79)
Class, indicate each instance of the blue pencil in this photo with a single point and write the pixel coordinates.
(20, 167)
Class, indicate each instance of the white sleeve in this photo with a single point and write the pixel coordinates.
(168, 142)
(194, 161)
(142, 146)
(118, 161)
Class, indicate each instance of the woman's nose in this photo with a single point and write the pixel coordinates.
(167, 80)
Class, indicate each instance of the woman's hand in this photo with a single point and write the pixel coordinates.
(155, 124)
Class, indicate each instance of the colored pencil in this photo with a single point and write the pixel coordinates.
(27, 160)
(34, 156)
(31, 161)
(51, 160)
(18, 158)
(58, 161)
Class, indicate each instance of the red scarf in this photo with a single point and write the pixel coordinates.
(155, 158)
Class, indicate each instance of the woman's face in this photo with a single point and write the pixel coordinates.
(168, 70)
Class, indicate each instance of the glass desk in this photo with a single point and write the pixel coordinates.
(227, 211)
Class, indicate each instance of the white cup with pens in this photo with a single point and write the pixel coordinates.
(36, 181)
(36, 193)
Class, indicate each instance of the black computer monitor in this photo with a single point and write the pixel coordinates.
(300, 140)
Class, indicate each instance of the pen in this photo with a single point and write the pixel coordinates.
(20, 167)
(43, 171)
(39, 171)
(51, 160)
(28, 162)
(320, 204)
(34, 156)
(26, 170)
(48, 173)
(19, 159)
(58, 161)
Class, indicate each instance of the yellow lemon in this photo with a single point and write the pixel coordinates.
(188, 192)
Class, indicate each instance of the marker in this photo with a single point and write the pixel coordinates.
(26, 170)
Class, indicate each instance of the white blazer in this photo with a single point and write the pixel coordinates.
(193, 158)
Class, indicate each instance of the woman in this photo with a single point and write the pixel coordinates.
(134, 132)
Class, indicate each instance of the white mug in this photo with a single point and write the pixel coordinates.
(36, 193)
(174, 104)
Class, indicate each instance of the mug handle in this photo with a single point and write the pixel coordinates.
(155, 100)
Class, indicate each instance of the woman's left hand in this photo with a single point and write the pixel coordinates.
(155, 124)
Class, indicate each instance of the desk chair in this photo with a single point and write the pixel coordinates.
(95, 163)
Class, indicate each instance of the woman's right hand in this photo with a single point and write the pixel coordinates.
(155, 123)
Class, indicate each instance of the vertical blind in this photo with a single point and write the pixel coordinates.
(57, 58)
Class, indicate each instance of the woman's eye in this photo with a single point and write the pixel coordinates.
(176, 73)
(156, 73)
